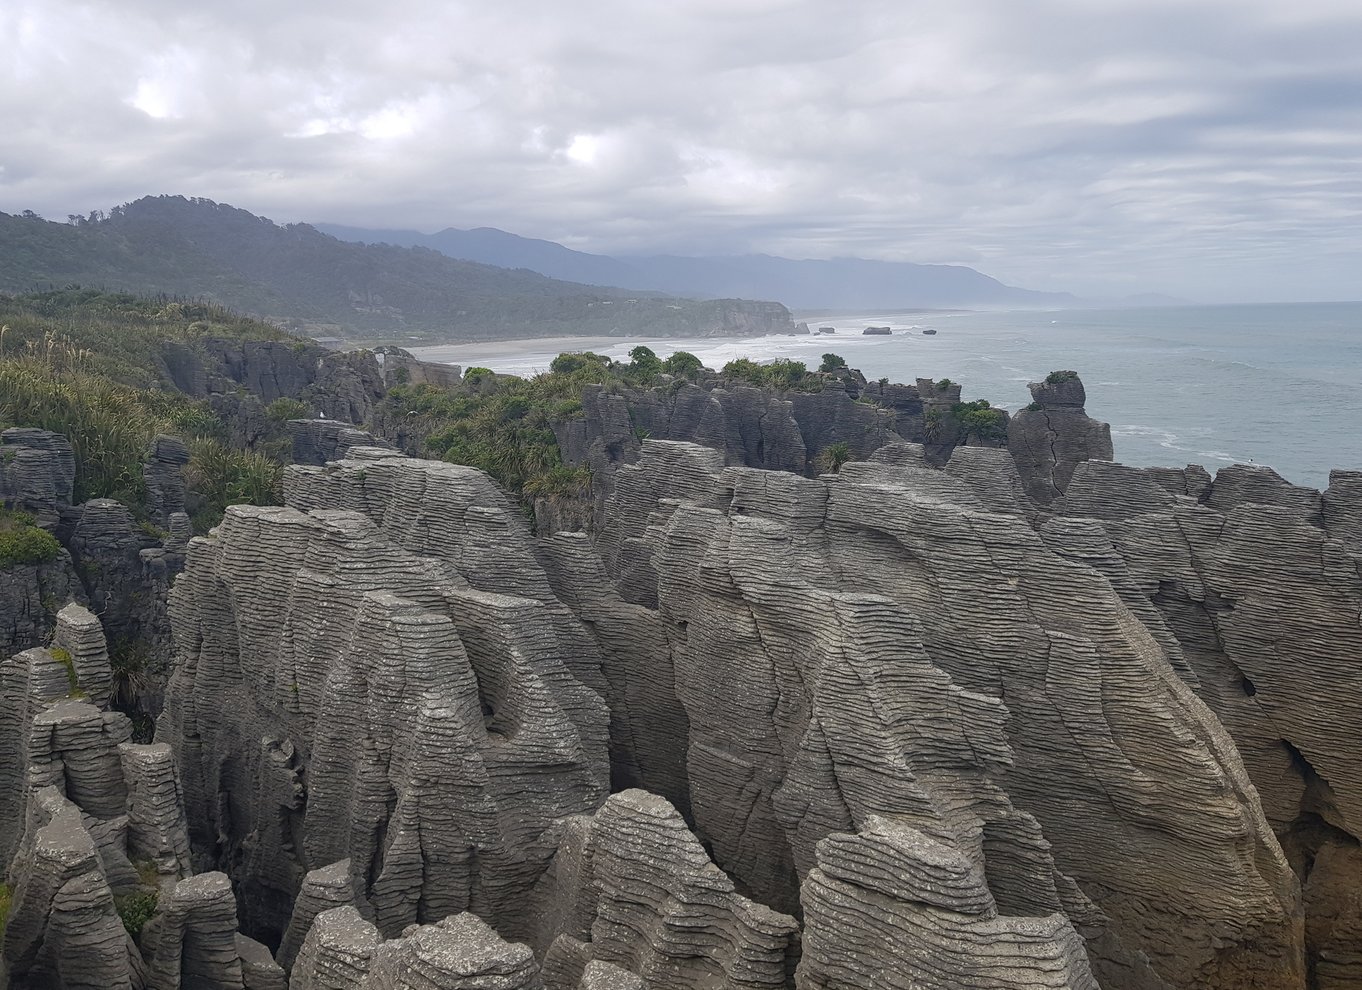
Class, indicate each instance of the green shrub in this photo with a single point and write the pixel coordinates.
(832, 362)
(569, 362)
(218, 476)
(978, 419)
(560, 482)
(136, 909)
(945, 383)
(473, 374)
(22, 543)
(1059, 377)
(1034, 406)
(683, 364)
(6, 899)
(833, 456)
(284, 409)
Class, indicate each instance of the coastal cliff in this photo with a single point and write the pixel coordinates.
(949, 713)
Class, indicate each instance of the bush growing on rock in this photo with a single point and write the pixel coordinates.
(22, 542)
(1060, 377)
(683, 364)
(833, 456)
(832, 362)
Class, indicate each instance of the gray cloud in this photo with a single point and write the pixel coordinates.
(1200, 147)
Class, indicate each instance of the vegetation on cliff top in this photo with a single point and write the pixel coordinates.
(23, 542)
(505, 425)
(85, 364)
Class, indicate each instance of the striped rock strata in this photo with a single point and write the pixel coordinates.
(1258, 584)
(632, 889)
(380, 673)
(881, 645)
(460, 952)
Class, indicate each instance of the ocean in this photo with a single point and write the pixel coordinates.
(1269, 384)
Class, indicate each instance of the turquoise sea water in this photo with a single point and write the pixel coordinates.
(1272, 384)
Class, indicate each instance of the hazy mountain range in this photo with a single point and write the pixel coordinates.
(298, 275)
(837, 283)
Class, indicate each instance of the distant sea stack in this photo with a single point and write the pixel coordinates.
(880, 331)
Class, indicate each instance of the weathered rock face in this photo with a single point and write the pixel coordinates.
(37, 471)
(163, 472)
(1019, 712)
(632, 888)
(317, 441)
(401, 367)
(460, 952)
(381, 673)
(1258, 583)
(342, 385)
(1050, 438)
(891, 894)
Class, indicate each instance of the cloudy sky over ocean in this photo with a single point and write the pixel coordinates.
(1203, 148)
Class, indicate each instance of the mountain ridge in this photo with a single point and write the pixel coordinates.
(295, 274)
(830, 283)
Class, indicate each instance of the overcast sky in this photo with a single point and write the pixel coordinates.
(1204, 148)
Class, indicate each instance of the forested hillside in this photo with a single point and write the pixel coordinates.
(297, 275)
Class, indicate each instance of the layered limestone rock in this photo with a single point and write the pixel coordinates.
(387, 678)
(1018, 711)
(37, 471)
(163, 473)
(29, 682)
(1052, 436)
(317, 441)
(63, 929)
(157, 832)
(633, 889)
(1258, 583)
(890, 894)
(79, 640)
(461, 952)
(324, 889)
(195, 943)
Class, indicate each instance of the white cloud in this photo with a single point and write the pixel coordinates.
(1205, 147)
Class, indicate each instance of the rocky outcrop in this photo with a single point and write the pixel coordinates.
(632, 888)
(37, 471)
(460, 952)
(380, 672)
(1257, 582)
(1050, 740)
(63, 929)
(1053, 435)
(339, 384)
(79, 640)
(163, 473)
(317, 441)
(401, 367)
(890, 893)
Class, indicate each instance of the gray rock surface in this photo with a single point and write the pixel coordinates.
(895, 894)
(63, 930)
(1049, 442)
(387, 678)
(37, 471)
(805, 603)
(1258, 583)
(195, 942)
(323, 889)
(163, 473)
(633, 888)
(80, 636)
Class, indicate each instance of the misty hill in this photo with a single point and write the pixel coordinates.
(296, 274)
(837, 283)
